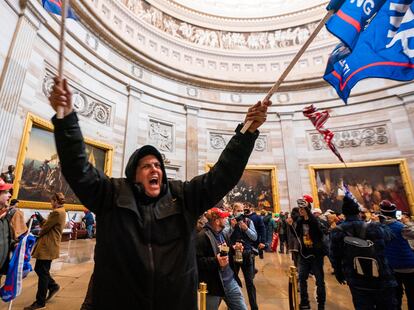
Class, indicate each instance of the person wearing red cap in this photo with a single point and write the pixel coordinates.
(145, 237)
(215, 263)
(5, 228)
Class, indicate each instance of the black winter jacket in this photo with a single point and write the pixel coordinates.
(208, 267)
(145, 254)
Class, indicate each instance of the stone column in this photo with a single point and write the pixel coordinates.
(293, 174)
(14, 73)
(131, 123)
(192, 142)
(408, 100)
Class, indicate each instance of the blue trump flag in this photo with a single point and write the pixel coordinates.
(384, 50)
(55, 7)
(19, 267)
(351, 18)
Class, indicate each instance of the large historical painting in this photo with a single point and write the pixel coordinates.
(369, 182)
(257, 185)
(38, 173)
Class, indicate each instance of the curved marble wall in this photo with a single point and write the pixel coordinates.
(126, 101)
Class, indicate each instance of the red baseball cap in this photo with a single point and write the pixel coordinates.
(5, 186)
(308, 198)
(216, 213)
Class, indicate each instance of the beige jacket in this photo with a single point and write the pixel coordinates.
(17, 224)
(47, 246)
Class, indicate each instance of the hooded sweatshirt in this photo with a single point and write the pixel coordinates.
(145, 247)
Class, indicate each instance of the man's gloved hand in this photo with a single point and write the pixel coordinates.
(340, 278)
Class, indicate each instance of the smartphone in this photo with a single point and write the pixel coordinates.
(398, 214)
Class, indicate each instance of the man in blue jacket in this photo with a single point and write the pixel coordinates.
(145, 254)
(368, 291)
(399, 253)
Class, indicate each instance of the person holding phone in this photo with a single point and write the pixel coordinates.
(215, 263)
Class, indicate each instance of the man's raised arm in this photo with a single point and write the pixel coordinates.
(92, 186)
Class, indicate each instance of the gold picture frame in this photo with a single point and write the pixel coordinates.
(38, 168)
(368, 183)
(264, 176)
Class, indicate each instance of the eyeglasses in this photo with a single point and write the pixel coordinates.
(148, 166)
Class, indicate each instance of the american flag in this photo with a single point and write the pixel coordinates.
(72, 220)
(319, 119)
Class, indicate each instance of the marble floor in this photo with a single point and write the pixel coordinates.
(74, 267)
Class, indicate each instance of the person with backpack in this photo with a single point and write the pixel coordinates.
(358, 258)
(399, 253)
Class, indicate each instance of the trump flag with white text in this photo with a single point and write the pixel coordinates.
(385, 49)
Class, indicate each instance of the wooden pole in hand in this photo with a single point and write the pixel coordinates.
(276, 86)
(65, 4)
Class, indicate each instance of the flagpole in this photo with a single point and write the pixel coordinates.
(299, 54)
(65, 4)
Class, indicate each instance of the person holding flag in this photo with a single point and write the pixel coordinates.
(145, 254)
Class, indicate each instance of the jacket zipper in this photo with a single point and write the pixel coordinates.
(151, 255)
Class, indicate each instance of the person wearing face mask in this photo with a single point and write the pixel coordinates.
(145, 237)
(311, 253)
(5, 227)
(240, 228)
(216, 265)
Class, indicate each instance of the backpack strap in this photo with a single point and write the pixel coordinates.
(363, 230)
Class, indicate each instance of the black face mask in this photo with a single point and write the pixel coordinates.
(246, 211)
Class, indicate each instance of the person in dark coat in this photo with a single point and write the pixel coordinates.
(367, 292)
(89, 223)
(311, 254)
(399, 253)
(145, 255)
(5, 228)
(216, 265)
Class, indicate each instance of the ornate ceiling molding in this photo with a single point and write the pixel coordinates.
(311, 11)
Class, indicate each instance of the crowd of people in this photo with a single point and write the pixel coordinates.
(146, 237)
(378, 270)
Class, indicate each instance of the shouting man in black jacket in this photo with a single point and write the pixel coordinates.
(145, 240)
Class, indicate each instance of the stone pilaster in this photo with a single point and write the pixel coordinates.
(13, 75)
(192, 142)
(294, 184)
(132, 124)
(408, 100)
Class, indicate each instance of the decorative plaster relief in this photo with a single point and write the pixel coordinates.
(136, 71)
(91, 41)
(280, 38)
(161, 135)
(192, 92)
(350, 138)
(83, 104)
(218, 141)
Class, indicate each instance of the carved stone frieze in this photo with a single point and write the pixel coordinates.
(218, 141)
(161, 135)
(352, 138)
(281, 38)
(83, 104)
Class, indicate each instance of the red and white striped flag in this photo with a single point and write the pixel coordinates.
(319, 119)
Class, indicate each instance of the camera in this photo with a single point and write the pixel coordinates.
(240, 218)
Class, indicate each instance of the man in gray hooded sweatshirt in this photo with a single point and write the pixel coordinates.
(145, 253)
